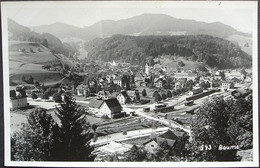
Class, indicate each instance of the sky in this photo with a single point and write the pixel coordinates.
(238, 15)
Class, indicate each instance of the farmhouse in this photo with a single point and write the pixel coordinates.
(234, 74)
(179, 84)
(117, 80)
(110, 108)
(82, 90)
(226, 85)
(170, 137)
(18, 99)
(159, 83)
(38, 92)
(192, 76)
(122, 97)
(103, 95)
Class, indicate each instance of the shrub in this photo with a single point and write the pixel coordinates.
(34, 96)
(57, 98)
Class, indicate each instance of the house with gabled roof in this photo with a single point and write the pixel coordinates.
(82, 90)
(234, 74)
(18, 99)
(110, 108)
(192, 76)
(226, 85)
(159, 82)
(103, 95)
(179, 83)
(117, 80)
(123, 97)
(171, 137)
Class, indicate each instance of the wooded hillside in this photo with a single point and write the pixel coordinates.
(213, 51)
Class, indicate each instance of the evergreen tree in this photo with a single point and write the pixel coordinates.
(164, 96)
(169, 94)
(45, 95)
(31, 80)
(44, 42)
(155, 93)
(144, 93)
(43, 87)
(157, 97)
(174, 93)
(75, 138)
(137, 96)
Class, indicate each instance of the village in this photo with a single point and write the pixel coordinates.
(131, 105)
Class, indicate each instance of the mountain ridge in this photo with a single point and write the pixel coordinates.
(19, 32)
(147, 24)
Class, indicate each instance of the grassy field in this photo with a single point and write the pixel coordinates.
(242, 41)
(30, 63)
(173, 64)
(19, 60)
(42, 77)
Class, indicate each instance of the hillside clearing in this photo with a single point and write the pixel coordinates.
(173, 64)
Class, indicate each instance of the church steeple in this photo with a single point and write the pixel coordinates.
(147, 69)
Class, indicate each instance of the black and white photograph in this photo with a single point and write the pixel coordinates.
(130, 83)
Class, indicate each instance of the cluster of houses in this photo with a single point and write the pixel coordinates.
(180, 78)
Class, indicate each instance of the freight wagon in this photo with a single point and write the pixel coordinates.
(203, 94)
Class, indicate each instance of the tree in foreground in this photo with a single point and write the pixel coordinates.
(241, 122)
(209, 128)
(75, 131)
(37, 139)
(136, 154)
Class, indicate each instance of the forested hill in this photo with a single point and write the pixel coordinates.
(213, 51)
(17, 32)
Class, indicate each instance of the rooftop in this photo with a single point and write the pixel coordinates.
(81, 87)
(95, 103)
(112, 103)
